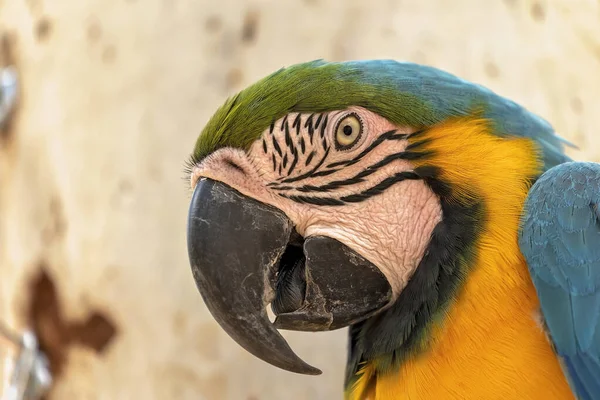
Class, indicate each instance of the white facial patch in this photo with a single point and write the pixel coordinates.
(329, 179)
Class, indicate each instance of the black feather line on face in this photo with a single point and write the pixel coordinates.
(288, 137)
(310, 158)
(387, 339)
(309, 173)
(355, 198)
(324, 173)
(318, 121)
(380, 187)
(294, 161)
(324, 126)
(296, 123)
(309, 124)
(358, 178)
(317, 201)
(324, 143)
(276, 147)
(322, 121)
(389, 135)
(283, 122)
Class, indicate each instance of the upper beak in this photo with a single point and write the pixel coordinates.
(245, 254)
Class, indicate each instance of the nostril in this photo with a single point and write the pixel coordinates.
(234, 165)
(291, 280)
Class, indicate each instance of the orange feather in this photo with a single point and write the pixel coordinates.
(490, 345)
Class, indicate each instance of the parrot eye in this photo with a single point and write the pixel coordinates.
(348, 131)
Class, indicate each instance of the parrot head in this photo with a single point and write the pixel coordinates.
(352, 195)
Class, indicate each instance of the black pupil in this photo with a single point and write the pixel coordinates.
(347, 130)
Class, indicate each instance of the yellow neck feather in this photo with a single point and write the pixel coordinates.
(490, 345)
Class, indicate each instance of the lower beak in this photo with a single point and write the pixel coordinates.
(245, 254)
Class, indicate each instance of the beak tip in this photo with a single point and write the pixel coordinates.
(306, 369)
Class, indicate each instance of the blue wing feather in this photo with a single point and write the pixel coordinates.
(560, 239)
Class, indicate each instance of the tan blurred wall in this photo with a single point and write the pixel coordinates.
(114, 94)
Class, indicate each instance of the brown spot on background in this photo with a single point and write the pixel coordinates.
(179, 323)
(576, 105)
(234, 77)
(491, 70)
(213, 23)
(96, 332)
(54, 332)
(43, 29)
(94, 31)
(109, 54)
(537, 12)
(125, 186)
(250, 27)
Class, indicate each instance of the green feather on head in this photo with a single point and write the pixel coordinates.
(404, 93)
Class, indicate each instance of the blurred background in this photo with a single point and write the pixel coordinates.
(113, 94)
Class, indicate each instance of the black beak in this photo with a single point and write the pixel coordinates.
(245, 254)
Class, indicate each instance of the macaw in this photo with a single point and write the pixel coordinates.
(442, 223)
